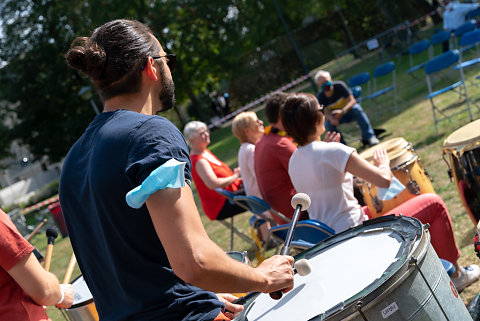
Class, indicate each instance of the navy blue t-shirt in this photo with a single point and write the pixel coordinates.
(119, 253)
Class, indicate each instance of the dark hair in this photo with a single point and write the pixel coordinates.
(114, 56)
(272, 106)
(300, 116)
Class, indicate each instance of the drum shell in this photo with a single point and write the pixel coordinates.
(407, 297)
(85, 310)
(405, 166)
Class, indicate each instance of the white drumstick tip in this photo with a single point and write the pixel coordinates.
(301, 199)
(303, 267)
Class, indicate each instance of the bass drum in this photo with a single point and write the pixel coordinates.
(463, 150)
(385, 269)
(83, 308)
(406, 167)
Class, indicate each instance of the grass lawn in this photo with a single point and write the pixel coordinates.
(413, 122)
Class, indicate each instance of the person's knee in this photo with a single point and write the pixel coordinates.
(357, 108)
(433, 201)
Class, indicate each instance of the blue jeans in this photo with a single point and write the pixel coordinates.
(356, 113)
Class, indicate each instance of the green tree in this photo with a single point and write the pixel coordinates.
(217, 42)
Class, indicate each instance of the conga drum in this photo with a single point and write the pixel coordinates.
(385, 269)
(406, 167)
(463, 150)
(83, 308)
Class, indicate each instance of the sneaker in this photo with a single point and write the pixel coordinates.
(373, 141)
(467, 276)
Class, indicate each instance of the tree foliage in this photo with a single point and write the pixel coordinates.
(218, 42)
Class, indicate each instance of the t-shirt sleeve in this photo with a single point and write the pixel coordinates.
(156, 141)
(13, 247)
(343, 89)
(336, 155)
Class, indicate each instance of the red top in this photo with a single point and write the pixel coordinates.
(272, 153)
(212, 202)
(15, 304)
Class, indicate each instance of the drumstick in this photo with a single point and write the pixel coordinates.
(70, 267)
(302, 267)
(299, 201)
(52, 234)
(36, 229)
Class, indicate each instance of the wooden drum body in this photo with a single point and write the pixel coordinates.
(463, 150)
(406, 167)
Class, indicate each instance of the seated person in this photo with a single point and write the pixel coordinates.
(454, 17)
(341, 107)
(209, 173)
(272, 153)
(249, 129)
(24, 285)
(324, 171)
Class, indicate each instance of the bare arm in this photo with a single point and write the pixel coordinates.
(379, 175)
(207, 175)
(339, 113)
(198, 260)
(42, 286)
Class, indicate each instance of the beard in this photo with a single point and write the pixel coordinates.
(167, 93)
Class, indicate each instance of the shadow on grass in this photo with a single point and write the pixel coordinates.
(428, 140)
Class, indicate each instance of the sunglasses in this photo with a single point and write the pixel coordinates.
(320, 109)
(171, 60)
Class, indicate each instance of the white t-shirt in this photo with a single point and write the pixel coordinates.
(247, 170)
(318, 170)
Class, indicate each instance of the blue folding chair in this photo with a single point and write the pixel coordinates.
(258, 206)
(382, 72)
(469, 40)
(360, 80)
(462, 29)
(415, 50)
(472, 14)
(438, 38)
(307, 233)
(435, 66)
(230, 225)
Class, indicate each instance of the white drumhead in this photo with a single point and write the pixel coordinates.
(338, 273)
(82, 293)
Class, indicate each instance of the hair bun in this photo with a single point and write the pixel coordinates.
(88, 57)
(95, 58)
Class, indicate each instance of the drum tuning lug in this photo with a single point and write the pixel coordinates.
(413, 187)
(359, 305)
(426, 226)
(377, 204)
(413, 261)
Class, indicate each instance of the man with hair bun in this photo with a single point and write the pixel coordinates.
(145, 256)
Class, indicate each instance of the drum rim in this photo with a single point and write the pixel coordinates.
(83, 303)
(461, 148)
(401, 143)
(465, 142)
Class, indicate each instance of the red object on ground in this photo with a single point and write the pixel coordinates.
(56, 211)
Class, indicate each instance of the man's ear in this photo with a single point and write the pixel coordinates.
(150, 69)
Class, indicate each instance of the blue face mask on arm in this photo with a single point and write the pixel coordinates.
(395, 188)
